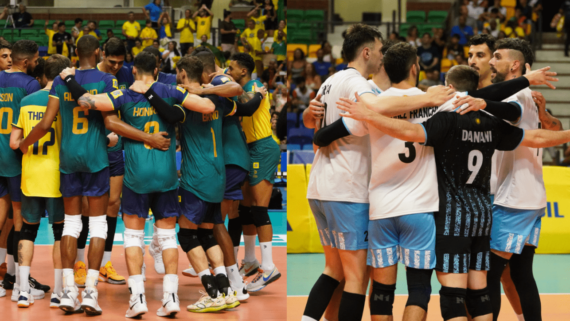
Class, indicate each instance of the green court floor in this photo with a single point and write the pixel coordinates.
(551, 273)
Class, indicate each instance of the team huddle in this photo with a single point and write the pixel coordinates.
(449, 179)
(61, 151)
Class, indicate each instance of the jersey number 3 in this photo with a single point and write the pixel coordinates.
(411, 153)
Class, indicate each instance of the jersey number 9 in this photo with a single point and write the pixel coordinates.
(155, 129)
(79, 119)
(7, 114)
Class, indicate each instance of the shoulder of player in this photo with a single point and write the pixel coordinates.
(32, 99)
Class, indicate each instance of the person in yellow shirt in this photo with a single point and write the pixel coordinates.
(131, 30)
(256, 52)
(137, 48)
(282, 27)
(257, 17)
(86, 31)
(203, 19)
(250, 31)
(165, 28)
(50, 33)
(186, 27)
(148, 35)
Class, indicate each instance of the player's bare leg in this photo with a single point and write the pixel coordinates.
(386, 276)
(18, 222)
(5, 226)
(107, 271)
(25, 254)
(511, 291)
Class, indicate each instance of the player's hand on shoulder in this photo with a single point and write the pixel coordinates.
(354, 109)
(159, 141)
(113, 139)
(438, 95)
(466, 104)
(67, 72)
(139, 86)
(317, 108)
(541, 76)
(261, 89)
(193, 90)
(539, 100)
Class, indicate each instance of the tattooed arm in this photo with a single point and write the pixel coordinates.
(100, 102)
(546, 119)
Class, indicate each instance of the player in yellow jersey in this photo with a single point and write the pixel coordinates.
(264, 153)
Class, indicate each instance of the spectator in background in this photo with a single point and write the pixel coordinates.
(270, 74)
(274, 117)
(168, 57)
(128, 60)
(23, 19)
(327, 51)
(156, 44)
(460, 59)
(429, 55)
(502, 35)
(321, 66)
(86, 31)
(61, 40)
(271, 21)
(137, 48)
(431, 79)
(257, 17)
(282, 27)
(463, 12)
(280, 96)
(110, 34)
(203, 18)
(256, 44)
(526, 10)
(475, 11)
(148, 35)
(565, 10)
(50, 33)
(76, 28)
(343, 64)
(93, 28)
(229, 32)
(513, 30)
(165, 27)
(502, 11)
(186, 27)
(279, 48)
(493, 27)
(153, 11)
(131, 30)
(412, 37)
(454, 48)
(302, 95)
(312, 80)
(439, 40)
(250, 31)
(463, 31)
(296, 67)
(394, 36)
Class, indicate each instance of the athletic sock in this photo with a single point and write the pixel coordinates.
(111, 227)
(233, 275)
(497, 266)
(68, 279)
(249, 247)
(170, 283)
(220, 270)
(351, 306)
(320, 297)
(235, 229)
(236, 249)
(205, 272)
(92, 278)
(523, 278)
(17, 274)
(106, 257)
(10, 266)
(2, 253)
(24, 275)
(58, 277)
(80, 255)
(266, 256)
(520, 317)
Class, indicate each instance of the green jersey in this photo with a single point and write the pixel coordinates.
(148, 170)
(203, 168)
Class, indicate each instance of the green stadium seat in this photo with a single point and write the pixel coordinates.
(51, 22)
(404, 27)
(314, 15)
(10, 32)
(119, 23)
(2, 23)
(37, 22)
(28, 33)
(69, 24)
(118, 33)
(416, 16)
(305, 26)
(437, 16)
(303, 37)
(239, 23)
(295, 15)
(142, 23)
(106, 24)
(425, 28)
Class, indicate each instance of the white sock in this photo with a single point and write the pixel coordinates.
(233, 274)
(24, 275)
(205, 272)
(306, 318)
(170, 283)
(220, 270)
(3, 252)
(92, 278)
(266, 256)
(80, 255)
(249, 241)
(17, 274)
(58, 287)
(136, 284)
(520, 317)
(10, 266)
(106, 258)
(236, 249)
(68, 278)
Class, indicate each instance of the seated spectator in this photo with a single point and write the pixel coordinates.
(460, 60)
(429, 55)
(186, 27)
(463, 11)
(203, 19)
(257, 17)
(156, 44)
(165, 28)
(137, 48)
(312, 80)
(432, 79)
(168, 57)
(152, 12)
(62, 39)
(23, 19)
(50, 32)
(454, 48)
(302, 95)
(148, 35)
(110, 34)
(229, 32)
(502, 11)
(321, 66)
(131, 30)
(465, 32)
(493, 26)
(439, 40)
(271, 21)
(296, 68)
(76, 28)
(412, 37)
(526, 9)
(327, 51)
(271, 74)
(279, 48)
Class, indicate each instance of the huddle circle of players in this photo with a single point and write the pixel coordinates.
(61, 150)
(457, 188)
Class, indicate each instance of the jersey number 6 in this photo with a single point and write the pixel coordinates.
(80, 120)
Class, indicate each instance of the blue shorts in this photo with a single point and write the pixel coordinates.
(235, 177)
(162, 204)
(408, 238)
(347, 222)
(512, 228)
(116, 163)
(85, 184)
(12, 186)
(197, 210)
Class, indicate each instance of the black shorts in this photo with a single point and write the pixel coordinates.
(457, 254)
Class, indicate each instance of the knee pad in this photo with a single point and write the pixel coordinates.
(166, 238)
(419, 287)
(57, 231)
(245, 215)
(72, 226)
(260, 216)
(206, 238)
(452, 302)
(479, 302)
(382, 299)
(29, 232)
(188, 239)
(133, 238)
(98, 226)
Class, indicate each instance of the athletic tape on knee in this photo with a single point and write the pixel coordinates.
(245, 215)
(188, 239)
(206, 238)
(166, 238)
(419, 287)
(382, 298)
(57, 231)
(479, 302)
(452, 302)
(72, 226)
(260, 216)
(133, 238)
(98, 226)
(29, 232)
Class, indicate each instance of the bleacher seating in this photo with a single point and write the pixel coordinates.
(301, 136)
(106, 24)
(416, 16)
(305, 26)
(239, 23)
(437, 16)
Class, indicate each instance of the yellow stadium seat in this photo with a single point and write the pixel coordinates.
(445, 65)
(241, 49)
(313, 50)
(293, 47)
(466, 51)
(338, 61)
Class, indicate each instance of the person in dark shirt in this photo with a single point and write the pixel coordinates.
(23, 19)
(229, 32)
(565, 10)
(429, 55)
(62, 37)
(322, 67)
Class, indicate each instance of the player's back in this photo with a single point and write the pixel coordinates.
(14, 86)
(258, 126)
(167, 79)
(83, 139)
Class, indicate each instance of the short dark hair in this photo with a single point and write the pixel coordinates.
(87, 45)
(483, 39)
(398, 61)
(495, 10)
(245, 61)
(463, 78)
(152, 50)
(55, 64)
(387, 44)
(426, 33)
(39, 71)
(145, 62)
(78, 20)
(206, 56)
(358, 36)
(5, 44)
(115, 47)
(61, 24)
(24, 49)
(193, 67)
(519, 45)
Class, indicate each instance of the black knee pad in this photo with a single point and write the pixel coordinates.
(188, 239)
(29, 232)
(206, 238)
(419, 287)
(452, 302)
(10, 242)
(382, 299)
(57, 231)
(479, 302)
(245, 215)
(260, 216)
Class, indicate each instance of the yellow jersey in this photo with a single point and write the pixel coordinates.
(258, 126)
(51, 48)
(186, 34)
(136, 51)
(249, 33)
(132, 29)
(167, 30)
(40, 165)
(256, 46)
(81, 35)
(276, 33)
(259, 22)
(204, 24)
(148, 33)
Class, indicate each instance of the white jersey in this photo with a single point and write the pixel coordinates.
(519, 172)
(375, 88)
(404, 176)
(341, 171)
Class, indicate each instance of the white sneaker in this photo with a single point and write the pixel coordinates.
(190, 272)
(263, 278)
(55, 300)
(170, 305)
(89, 301)
(37, 294)
(2, 292)
(248, 268)
(25, 300)
(207, 304)
(144, 272)
(156, 254)
(241, 291)
(231, 300)
(69, 301)
(137, 306)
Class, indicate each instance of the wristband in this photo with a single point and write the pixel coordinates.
(74, 87)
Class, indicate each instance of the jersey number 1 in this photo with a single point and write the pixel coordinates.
(474, 164)
(50, 142)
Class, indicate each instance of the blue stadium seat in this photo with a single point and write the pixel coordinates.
(284, 161)
(293, 147)
(307, 132)
(301, 136)
(292, 117)
(307, 147)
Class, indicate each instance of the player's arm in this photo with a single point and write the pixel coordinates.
(16, 137)
(314, 113)
(229, 89)
(198, 104)
(86, 100)
(392, 105)
(510, 111)
(171, 114)
(43, 126)
(546, 119)
(326, 135)
(540, 138)
(114, 124)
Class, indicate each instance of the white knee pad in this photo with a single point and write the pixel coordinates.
(98, 226)
(166, 238)
(133, 238)
(72, 226)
